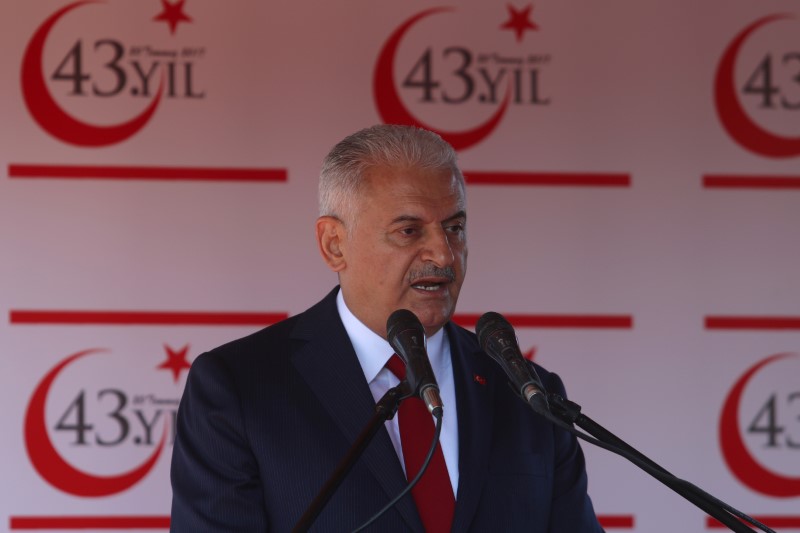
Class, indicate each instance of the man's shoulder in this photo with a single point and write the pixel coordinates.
(271, 335)
(273, 342)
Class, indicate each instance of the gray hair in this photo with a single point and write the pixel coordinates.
(385, 145)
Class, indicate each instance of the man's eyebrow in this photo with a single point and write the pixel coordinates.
(460, 214)
(406, 218)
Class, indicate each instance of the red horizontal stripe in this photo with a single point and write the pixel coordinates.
(751, 322)
(136, 318)
(771, 521)
(616, 521)
(724, 181)
(89, 522)
(162, 522)
(555, 321)
(146, 173)
(563, 179)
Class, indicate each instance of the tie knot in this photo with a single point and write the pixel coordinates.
(397, 367)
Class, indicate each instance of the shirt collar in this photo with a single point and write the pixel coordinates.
(373, 351)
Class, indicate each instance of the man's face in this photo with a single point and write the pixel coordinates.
(408, 248)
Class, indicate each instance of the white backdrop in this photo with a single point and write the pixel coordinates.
(633, 208)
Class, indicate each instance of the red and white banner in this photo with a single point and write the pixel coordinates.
(633, 180)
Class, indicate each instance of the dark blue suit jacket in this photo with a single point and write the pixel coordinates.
(264, 421)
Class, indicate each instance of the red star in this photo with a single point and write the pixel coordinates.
(176, 361)
(530, 354)
(173, 14)
(519, 21)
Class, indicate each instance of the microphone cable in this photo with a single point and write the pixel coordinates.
(436, 432)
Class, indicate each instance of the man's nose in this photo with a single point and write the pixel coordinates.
(438, 249)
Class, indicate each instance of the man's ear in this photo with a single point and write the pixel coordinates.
(330, 237)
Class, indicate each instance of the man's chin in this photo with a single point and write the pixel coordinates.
(432, 321)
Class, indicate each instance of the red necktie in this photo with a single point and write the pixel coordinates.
(434, 493)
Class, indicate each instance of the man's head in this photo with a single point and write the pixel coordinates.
(393, 224)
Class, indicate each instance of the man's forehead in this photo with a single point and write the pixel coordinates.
(412, 179)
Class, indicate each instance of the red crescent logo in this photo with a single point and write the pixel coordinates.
(739, 460)
(46, 111)
(390, 106)
(733, 117)
(53, 468)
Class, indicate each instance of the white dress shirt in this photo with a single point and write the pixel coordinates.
(374, 352)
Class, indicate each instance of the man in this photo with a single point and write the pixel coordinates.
(265, 419)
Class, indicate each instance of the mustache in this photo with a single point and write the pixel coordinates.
(432, 271)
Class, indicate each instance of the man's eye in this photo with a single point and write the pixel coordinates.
(408, 231)
(455, 228)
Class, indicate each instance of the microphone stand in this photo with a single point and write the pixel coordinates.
(565, 411)
(385, 410)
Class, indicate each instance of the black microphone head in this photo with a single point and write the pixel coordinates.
(400, 321)
(488, 324)
(497, 338)
(406, 334)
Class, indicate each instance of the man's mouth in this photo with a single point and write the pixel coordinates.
(428, 286)
(432, 278)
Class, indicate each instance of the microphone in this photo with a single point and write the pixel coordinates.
(405, 333)
(497, 338)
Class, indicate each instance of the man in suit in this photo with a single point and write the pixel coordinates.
(264, 420)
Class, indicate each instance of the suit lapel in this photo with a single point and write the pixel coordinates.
(474, 394)
(329, 365)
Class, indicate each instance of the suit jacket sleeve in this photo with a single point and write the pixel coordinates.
(215, 480)
(571, 507)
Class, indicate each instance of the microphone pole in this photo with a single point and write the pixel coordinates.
(385, 410)
(568, 412)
